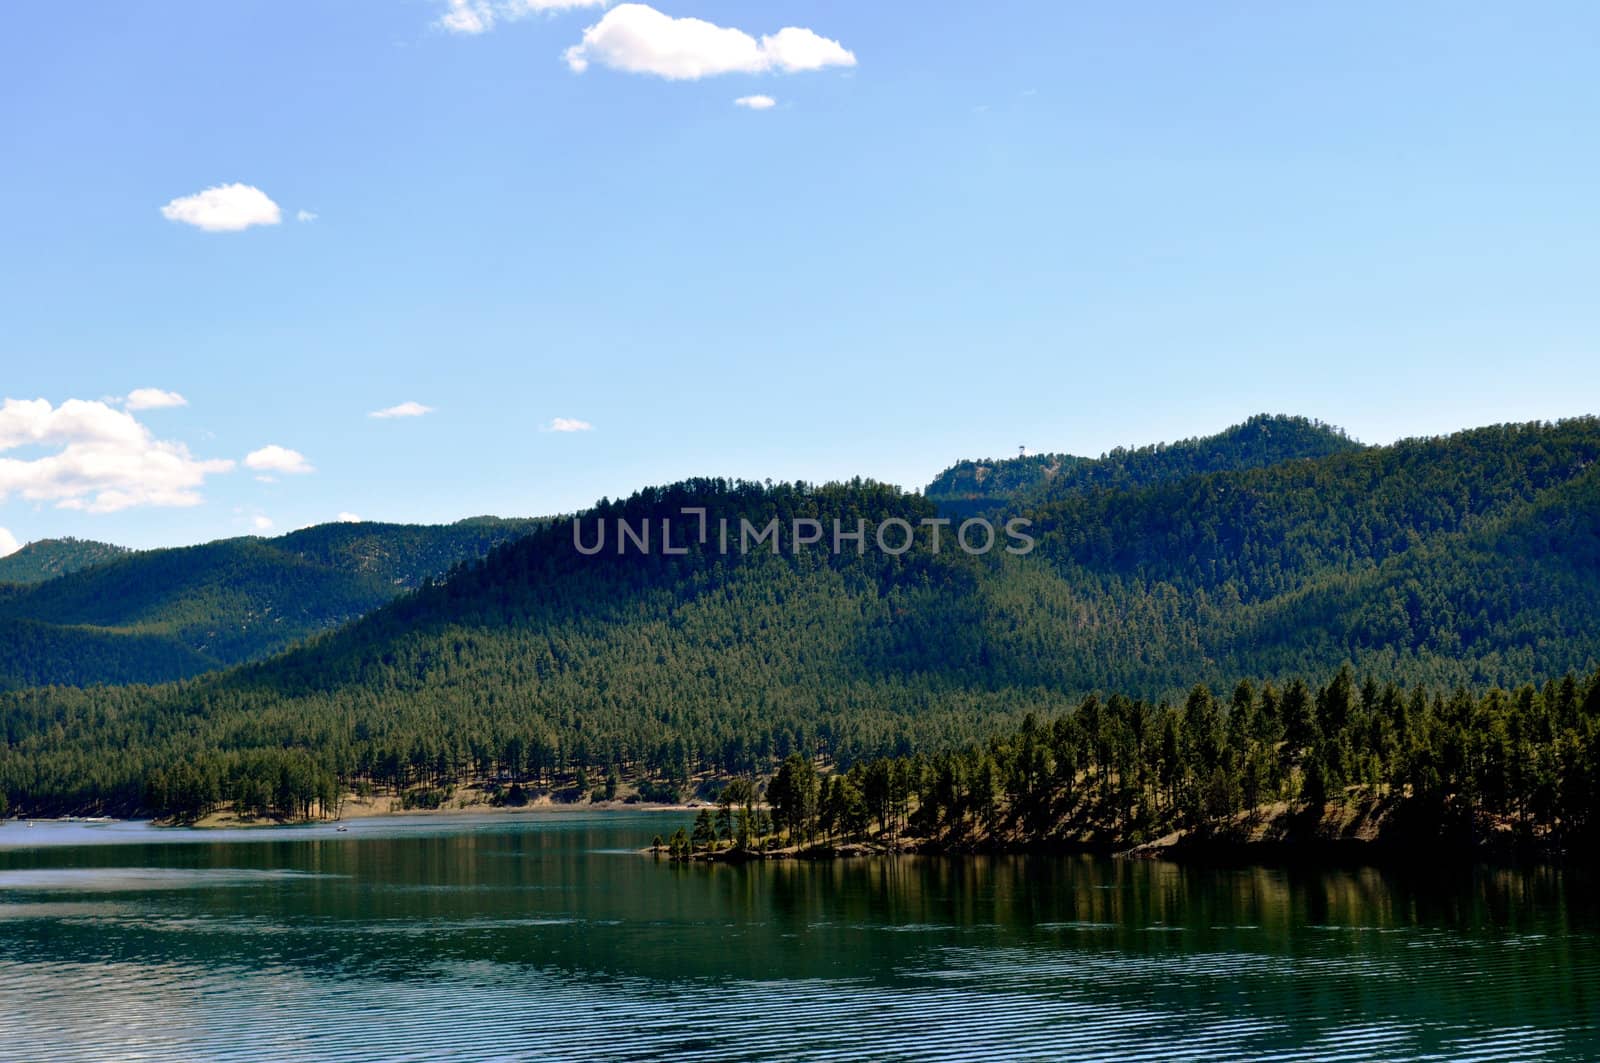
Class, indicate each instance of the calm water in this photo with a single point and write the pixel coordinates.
(547, 937)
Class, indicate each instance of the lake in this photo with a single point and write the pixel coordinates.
(547, 936)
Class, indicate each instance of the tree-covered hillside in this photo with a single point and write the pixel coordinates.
(1300, 765)
(978, 486)
(1466, 559)
(1023, 483)
(1263, 440)
(48, 558)
(42, 654)
(156, 615)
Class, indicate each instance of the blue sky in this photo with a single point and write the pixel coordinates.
(958, 229)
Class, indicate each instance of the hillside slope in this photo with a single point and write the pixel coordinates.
(1469, 558)
(193, 609)
(48, 558)
(1023, 483)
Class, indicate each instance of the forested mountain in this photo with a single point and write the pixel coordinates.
(1263, 440)
(971, 487)
(48, 558)
(1025, 482)
(155, 615)
(1473, 558)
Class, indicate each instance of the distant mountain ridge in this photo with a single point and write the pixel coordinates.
(978, 486)
(155, 615)
(45, 559)
(1018, 483)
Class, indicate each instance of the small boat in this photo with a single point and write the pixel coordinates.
(341, 830)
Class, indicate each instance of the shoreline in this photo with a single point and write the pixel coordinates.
(1358, 833)
(1320, 853)
(355, 811)
(1373, 832)
(1219, 850)
(388, 809)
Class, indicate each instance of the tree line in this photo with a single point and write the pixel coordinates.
(1518, 768)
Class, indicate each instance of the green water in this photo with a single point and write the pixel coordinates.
(549, 937)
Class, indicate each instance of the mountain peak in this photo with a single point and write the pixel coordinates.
(1264, 439)
(45, 559)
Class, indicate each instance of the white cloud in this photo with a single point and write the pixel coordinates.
(224, 209)
(792, 50)
(464, 16)
(569, 424)
(305, 215)
(273, 458)
(261, 523)
(641, 40)
(405, 409)
(479, 16)
(152, 399)
(8, 543)
(348, 518)
(106, 459)
(756, 103)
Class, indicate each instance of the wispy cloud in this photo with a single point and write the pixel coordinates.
(348, 518)
(104, 459)
(224, 209)
(480, 16)
(568, 424)
(641, 40)
(8, 543)
(405, 409)
(756, 103)
(261, 523)
(305, 215)
(275, 459)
